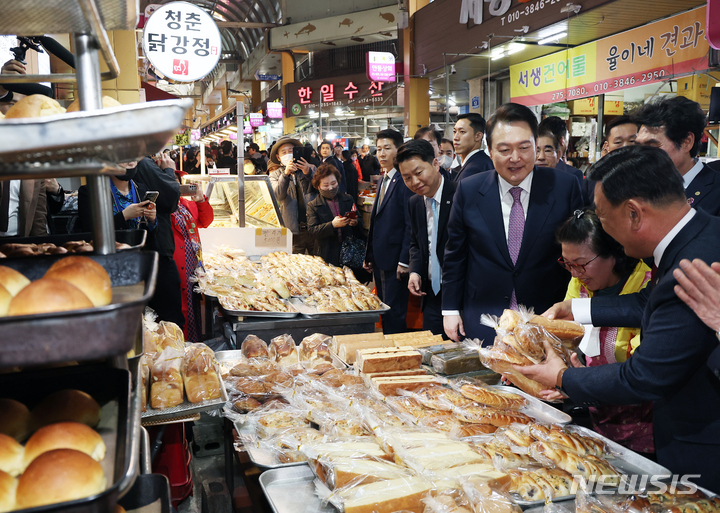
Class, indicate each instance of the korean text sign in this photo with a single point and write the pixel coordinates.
(182, 41)
(353, 90)
(644, 55)
(381, 67)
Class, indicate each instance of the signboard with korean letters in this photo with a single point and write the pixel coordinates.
(645, 55)
(381, 66)
(182, 41)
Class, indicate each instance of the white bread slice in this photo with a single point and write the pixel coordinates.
(341, 472)
(420, 457)
(387, 496)
(387, 359)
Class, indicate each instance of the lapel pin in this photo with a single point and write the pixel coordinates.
(697, 193)
(691, 201)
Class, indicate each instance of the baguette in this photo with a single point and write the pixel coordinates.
(564, 330)
(387, 359)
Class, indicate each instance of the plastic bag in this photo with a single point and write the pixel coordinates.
(573, 442)
(392, 495)
(589, 467)
(145, 365)
(485, 415)
(254, 347)
(315, 349)
(489, 396)
(200, 374)
(488, 497)
(166, 389)
(283, 351)
(437, 397)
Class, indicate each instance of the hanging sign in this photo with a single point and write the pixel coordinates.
(381, 66)
(182, 41)
(645, 55)
(274, 110)
(256, 119)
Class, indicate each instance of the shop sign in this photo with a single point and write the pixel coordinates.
(182, 139)
(645, 55)
(475, 102)
(256, 119)
(589, 107)
(380, 67)
(334, 92)
(247, 129)
(713, 29)
(274, 110)
(264, 128)
(182, 41)
(267, 78)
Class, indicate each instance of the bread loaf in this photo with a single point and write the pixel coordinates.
(564, 330)
(387, 359)
(87, 275)
(66, 406)
(11, 455)
(386, 496)
(34, 106)
(315, 349)
(47, 295)
(283, 351)
(456, 362)
(166, 389)
(347, 350)
(8, 488)
(64, 435)
(200, 377)
(390, 385)
(254, 347)
(340, 473)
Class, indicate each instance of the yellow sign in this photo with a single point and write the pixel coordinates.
(698, 88)
(182, 139)
(588, 107)
(645, 55)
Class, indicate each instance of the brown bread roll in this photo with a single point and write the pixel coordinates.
(47, 295)
(11, 455)
(8, 487)
(12, 280)
(64, 435)
(34, 106)
(14, 419)
(87, 275)
(66, 406)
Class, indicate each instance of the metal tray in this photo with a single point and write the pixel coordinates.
(115, 134)
(151, 493)
(119, 423)
(312, 313)
(262, 458)
(538, 409)
(186, 408)
(81, 334)
(61, 16)
(134, 238)
(291, 490)
(253, 313)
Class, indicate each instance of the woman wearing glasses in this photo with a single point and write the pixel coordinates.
(600, 267)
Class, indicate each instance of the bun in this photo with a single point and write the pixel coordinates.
(65, 435)
(14, 419)
(11, 455)
(5, 298)
(67, 406)
(34, 106)
(87, 275)
(48, 295)
(107, 102)
(12, 280)
(8, 487)
(58, 476)
(199, 375)
(254, 347)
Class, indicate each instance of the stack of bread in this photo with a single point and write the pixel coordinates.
(345, 346)
(520, 340)
(71, 283)
(171, 369)
(60, 461)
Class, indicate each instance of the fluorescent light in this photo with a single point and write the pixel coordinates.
(550, 39)
(551, 31)
(515, 48)
(498, 56)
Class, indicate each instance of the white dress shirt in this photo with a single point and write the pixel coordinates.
(462, 162)
(431, 222)
(13, 209)
(581, 307)
(690, 175)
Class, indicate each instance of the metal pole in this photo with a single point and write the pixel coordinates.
(601, 115)
(90, 94)
(239, 116)
(320, 119)
(447, 99)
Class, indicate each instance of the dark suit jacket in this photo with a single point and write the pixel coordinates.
(562, 166)
(669, 367)
(369, 166)
(320, 217)
(419, 249)
(476, 164)
(351, 175)
(389, 237)
(478, 274)
(704, 191)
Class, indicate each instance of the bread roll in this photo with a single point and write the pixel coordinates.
(199, 375)
(66, 406)
(254, 347)
(87, 275)
(11, 455)
(5, 298)
(64, 435)
(48, 295)
(12, 280)
(14, 419)
(107, 102)
(58, 476)
(8, 487)
(34, 106)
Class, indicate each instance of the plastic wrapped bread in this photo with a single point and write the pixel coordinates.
(166, 389)
(254, 347)
(200, 376)
(283, 351)
(456, 362)
(405, 493)
(589, 467)
(341, 472)
(145, 365)
(502, 361)
(169, 335)
(489, 396)
(315, 349)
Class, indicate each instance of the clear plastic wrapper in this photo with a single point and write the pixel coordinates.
(486, 415)
(486, 497)
(437, 456)
(450, 500)
(497, 360)
(536, 483)
(456, 362)
(465, 430)
(243, 403)
(200, 375)
(589, 467)
(166, 389)
(392, 439)
(438, 397)
(347, 426)
(500, 455)
(391, 496)
(574, 442)
(145, 365)
(315, 349)
(487, 395)
(554, 507)
(283, 351)
(275, 417)
(409, 408)
(440, 420)
(149, 333)
(516, 436)
(254, 347)
(348, 472)
(252, 368)
(338, 378)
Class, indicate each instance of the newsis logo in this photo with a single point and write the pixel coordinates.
(631, 485)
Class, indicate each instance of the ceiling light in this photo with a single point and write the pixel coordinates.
(550, 39)
(551, 31)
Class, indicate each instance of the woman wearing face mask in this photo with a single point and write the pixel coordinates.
(332, 216)
(355, 162)
(351, 175)
(291, 182)
(129, 211)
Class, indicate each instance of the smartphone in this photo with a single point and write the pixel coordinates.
(351, 215)
(189, 189)
(298, 153)
(151, 195)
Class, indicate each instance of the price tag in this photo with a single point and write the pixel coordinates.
(270, 237)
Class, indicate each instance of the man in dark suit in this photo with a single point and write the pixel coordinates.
(429, 210)
(640, 202)
(388, 245)
(328, 157)
(501, 248)
(558, 127)
(467, 139)
(369, 165)
(676, 126)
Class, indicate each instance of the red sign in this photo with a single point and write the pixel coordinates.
(180, 67)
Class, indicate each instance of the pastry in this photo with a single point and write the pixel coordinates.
(492, 397)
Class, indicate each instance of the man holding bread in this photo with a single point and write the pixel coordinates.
(641, 203)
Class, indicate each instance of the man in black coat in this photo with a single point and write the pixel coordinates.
(429, 210)
(369, 164)
(167, 299)
(640, 201)
(467, 140)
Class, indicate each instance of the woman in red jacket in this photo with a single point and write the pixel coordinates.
(190, 215)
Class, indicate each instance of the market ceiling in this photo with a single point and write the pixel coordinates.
(242, 22)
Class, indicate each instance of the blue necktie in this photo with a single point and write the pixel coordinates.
(434, 262)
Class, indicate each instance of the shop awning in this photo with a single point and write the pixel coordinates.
(153, 93)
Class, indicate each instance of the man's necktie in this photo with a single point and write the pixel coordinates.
(434, 261)
(516, 227)
(383, 188)
(4, 205)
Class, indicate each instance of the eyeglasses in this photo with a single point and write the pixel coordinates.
(580, 268)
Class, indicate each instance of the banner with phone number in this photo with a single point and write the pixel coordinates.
(647, 54)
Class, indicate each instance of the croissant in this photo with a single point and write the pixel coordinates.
(489, 397)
